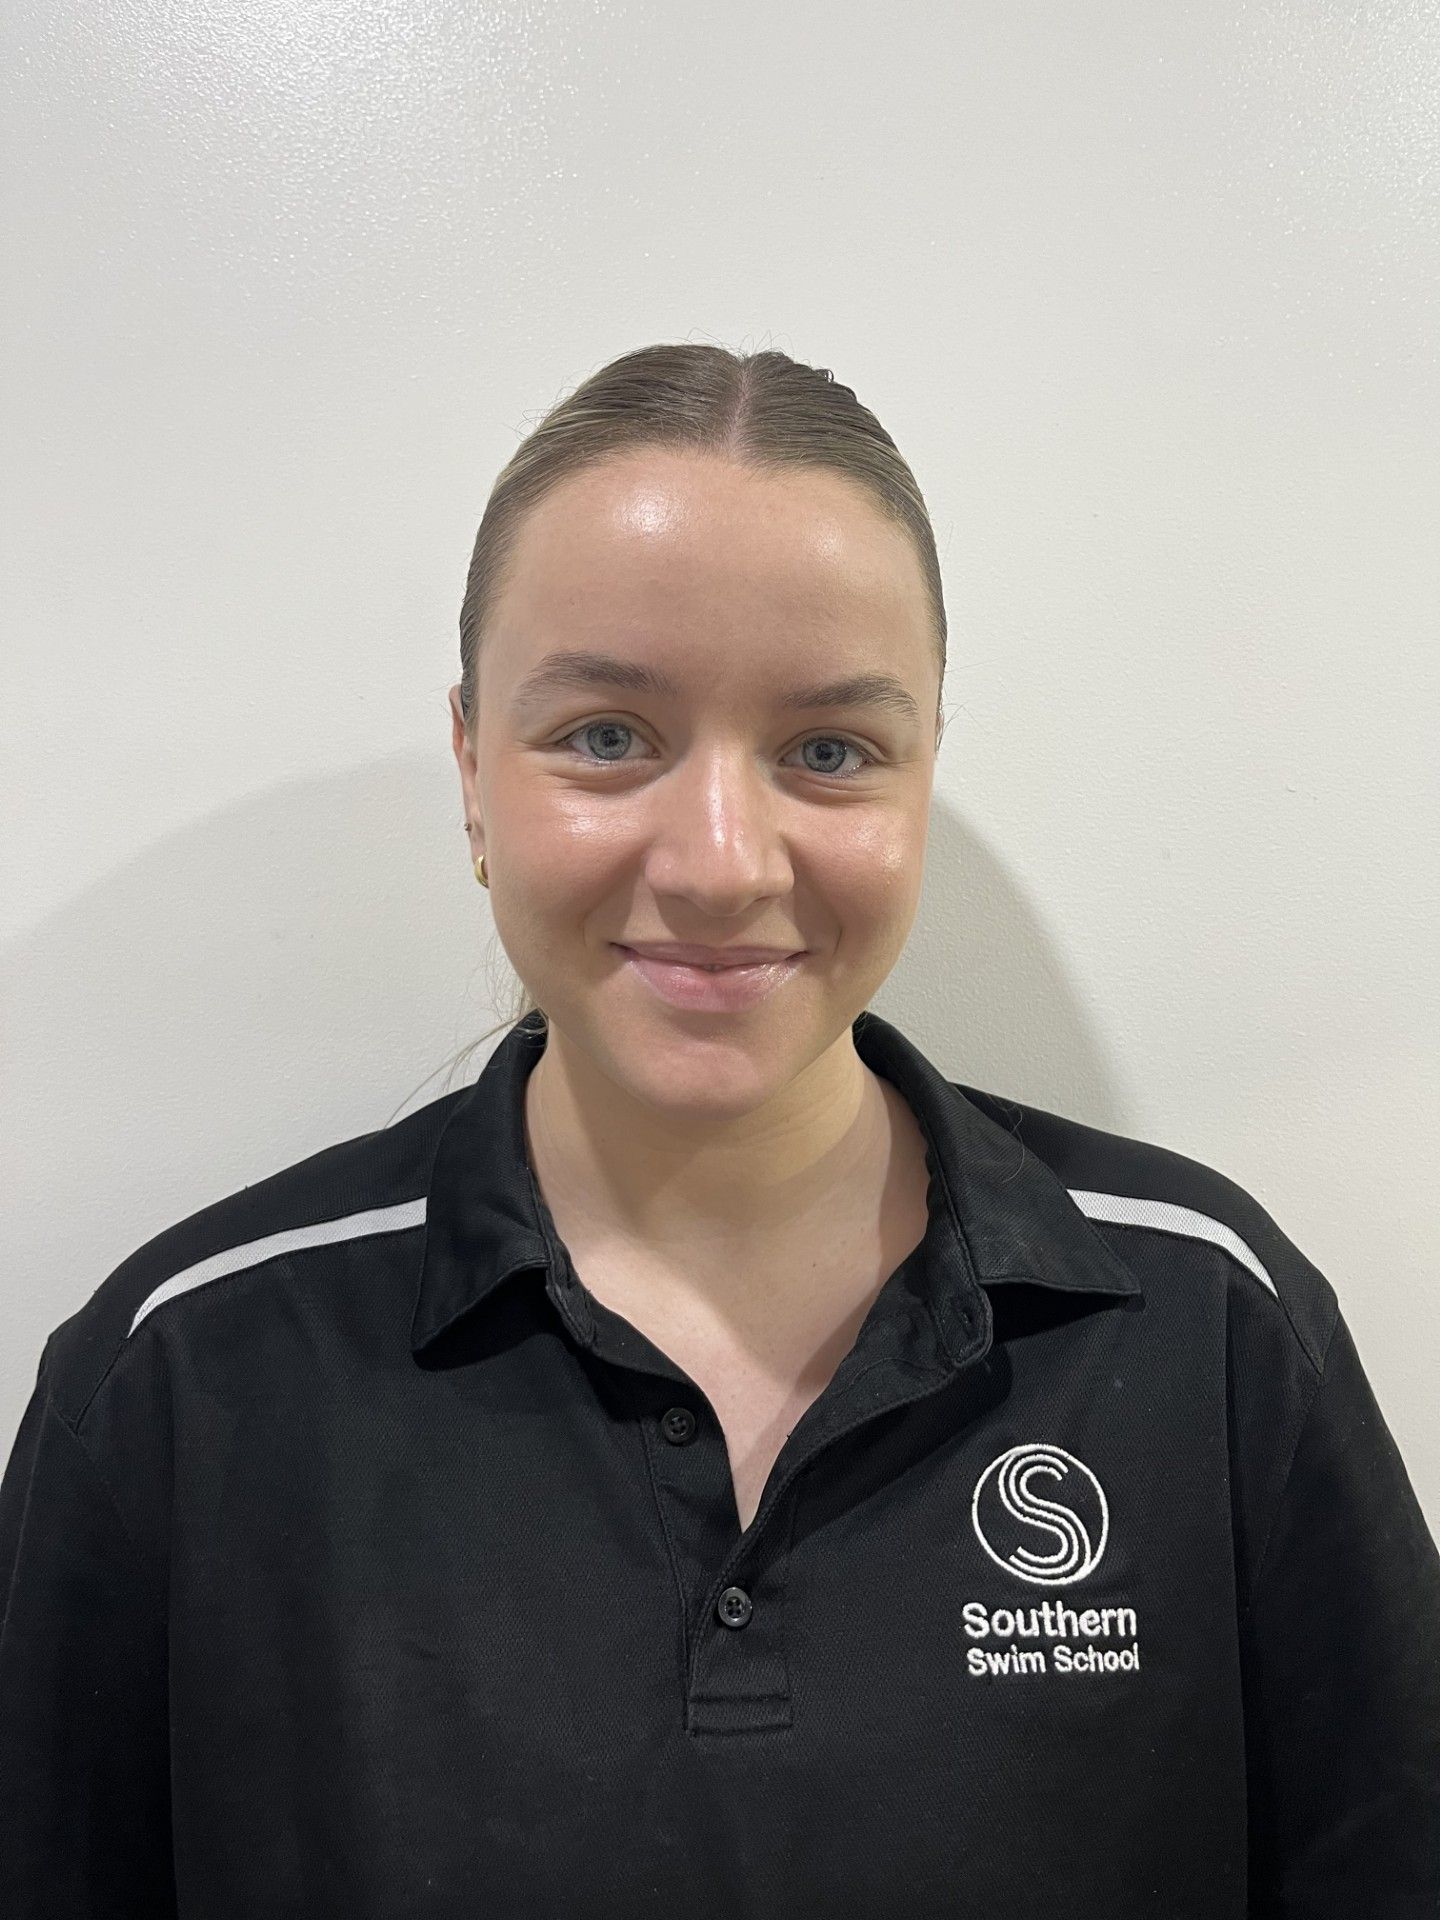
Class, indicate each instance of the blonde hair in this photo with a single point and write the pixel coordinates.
(763, 411)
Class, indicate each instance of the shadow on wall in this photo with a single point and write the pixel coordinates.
(278, 977)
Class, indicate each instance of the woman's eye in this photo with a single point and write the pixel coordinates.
(608, 729)
(601, 727)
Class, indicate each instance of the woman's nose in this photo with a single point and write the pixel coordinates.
(721, 824)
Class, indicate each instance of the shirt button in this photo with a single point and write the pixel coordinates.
(734, 1607)
(678, 1426)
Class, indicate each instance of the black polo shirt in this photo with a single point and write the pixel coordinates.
(356, 1561)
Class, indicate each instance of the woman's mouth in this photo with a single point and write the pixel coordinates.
(702, 989)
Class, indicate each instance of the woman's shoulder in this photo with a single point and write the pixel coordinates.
(1177, 1220)
(370, 1183)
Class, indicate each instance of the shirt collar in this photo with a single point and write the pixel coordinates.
(997, 1213)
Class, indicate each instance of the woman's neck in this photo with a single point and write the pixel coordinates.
(707, 1194)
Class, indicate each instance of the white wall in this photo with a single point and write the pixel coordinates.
(1148, 296)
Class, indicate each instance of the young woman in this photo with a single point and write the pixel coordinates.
(714, 1464)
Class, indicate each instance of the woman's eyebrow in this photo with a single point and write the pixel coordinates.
(573, 667)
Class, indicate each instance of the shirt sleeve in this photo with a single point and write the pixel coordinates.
(1341, 1653)
(84, 1751)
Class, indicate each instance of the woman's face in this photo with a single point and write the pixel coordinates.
(710, 810)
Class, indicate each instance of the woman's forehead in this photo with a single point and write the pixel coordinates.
(664, 515)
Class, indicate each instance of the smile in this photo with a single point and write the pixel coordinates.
(700, 989)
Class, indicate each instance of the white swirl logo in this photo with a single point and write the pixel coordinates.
(1006, 1505)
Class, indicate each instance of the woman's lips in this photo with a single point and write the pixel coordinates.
(726, 991)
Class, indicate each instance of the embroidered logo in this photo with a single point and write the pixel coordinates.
(1009, 1514)
(1014, 1517)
